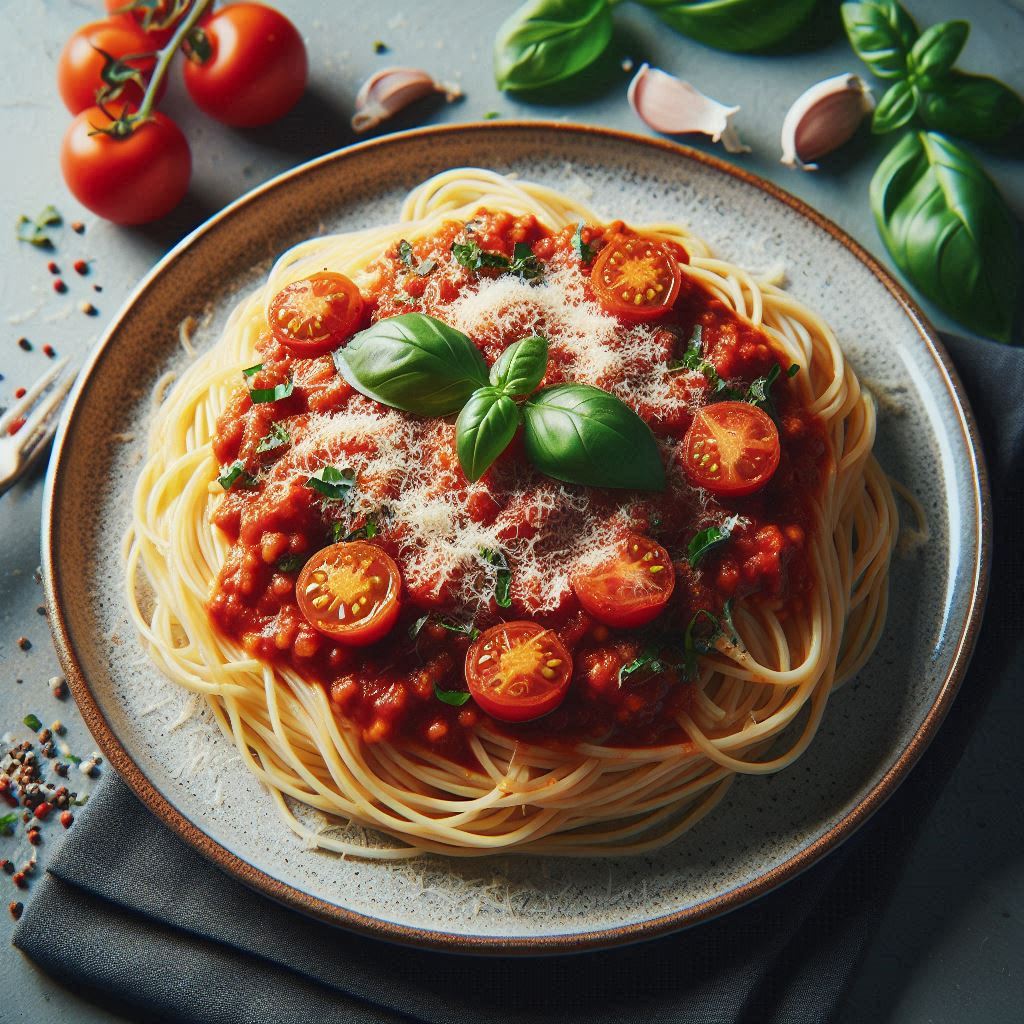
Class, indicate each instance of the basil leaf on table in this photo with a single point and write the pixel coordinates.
(949, 230)
(971, 107)
(484, 429)
(582, 435)
(936, 51)
(895, 108)
(882, 34)
(547, 41)
(734, 25)
(415, 363)
(520, 368)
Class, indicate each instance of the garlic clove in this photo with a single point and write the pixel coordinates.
(390, 90)
(674, 107)
(823, 118)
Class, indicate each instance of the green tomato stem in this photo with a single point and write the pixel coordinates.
(166, 56)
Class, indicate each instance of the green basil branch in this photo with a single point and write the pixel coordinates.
(572, 432)
(548, 41)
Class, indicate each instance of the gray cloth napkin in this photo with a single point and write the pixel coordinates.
(131, 916)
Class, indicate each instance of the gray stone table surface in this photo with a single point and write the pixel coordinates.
(949, 947)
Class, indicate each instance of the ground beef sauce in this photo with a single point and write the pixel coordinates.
(387, 690)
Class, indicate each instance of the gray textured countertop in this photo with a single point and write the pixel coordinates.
(949, 948)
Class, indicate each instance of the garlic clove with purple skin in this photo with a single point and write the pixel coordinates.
(823, 118)
(674, 107)
(390, 90)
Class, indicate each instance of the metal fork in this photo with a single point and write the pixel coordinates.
(39, 408)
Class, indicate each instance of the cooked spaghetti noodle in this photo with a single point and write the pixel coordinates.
(758, 693)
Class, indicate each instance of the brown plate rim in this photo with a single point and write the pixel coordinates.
(377, 928)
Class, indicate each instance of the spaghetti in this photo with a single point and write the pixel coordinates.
(638, 765)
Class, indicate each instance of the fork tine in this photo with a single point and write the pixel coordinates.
(39, 427)
(26, 402)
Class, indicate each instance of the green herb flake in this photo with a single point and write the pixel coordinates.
(379, 46)
(405, 253)
(472, 257)
(251, 371)
(7, 823)
(760, 391)
(34, 232)
(525, 264)
(793, 370)
(456, 698)
(333, 483)
(274, 394)
(491, 115)
(291, 563)
(236, 473)
(466, 629)
(417, 627)
(503, 576)
(32, 721)
(277, 438)
(585, 252)
(709, 539)
(369, 529)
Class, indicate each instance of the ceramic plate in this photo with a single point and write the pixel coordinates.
(168, 748)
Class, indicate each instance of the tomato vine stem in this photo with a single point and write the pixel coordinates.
(164, 60)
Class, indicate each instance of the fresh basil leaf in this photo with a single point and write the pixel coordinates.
(467, 630)
(547, 41)
(503, 577)
(456, 698)
(484, 429)
(7, 823)
(649, 659)
(949, 230)
(882, 34)
(274, 394)
(417, 627)
(760, 391)
(250, 371)
(291, 563)
(333, 483)
(236, 473)
(405, 253)
(794, 369)
(277, 438)
(738, 26)
(472, 257)
(707, 540)
(895, 108)
(415, 363)
(693, 361)
(936, 51)
(524, 264)
(972, 107)
(521, 367)
(582, 435)
(32, 721)
(585, 252)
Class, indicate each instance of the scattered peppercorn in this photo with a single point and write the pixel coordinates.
(61, 768)
(88, 309)
(49, 350)
(7, 866)
(25, 344)
(78, 227)
(81, 267)
(16, 909)
(58, 726)
(59, 688)
(18, 878)
(59, 286)
(52, 267)
(24, 643)
(379, 46)
(97, 287)
(19, 392)
(66, 819)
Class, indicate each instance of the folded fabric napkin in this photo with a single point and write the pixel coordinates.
(133, 917)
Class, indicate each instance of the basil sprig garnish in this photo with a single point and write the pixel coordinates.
(949, 230)
(415, 363)
(236, 473)
(333, 483)
(707, 540)
(502, 576)
(572, 432)
(924, 82)
(523, 263)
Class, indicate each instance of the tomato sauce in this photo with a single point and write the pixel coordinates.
(388, 690)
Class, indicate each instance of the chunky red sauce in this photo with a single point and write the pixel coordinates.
(387, 690)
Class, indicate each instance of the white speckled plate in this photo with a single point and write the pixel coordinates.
(768, 829)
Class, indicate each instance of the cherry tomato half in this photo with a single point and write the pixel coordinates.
(631, 588)
(80, 64)
(255, 70)
(731, 449)
(131, 179)
(316, 314)
(635, 278)
(518, 671)
(350, 592)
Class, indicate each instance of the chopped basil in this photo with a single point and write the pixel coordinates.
(470, 255)
(467, 630)
(456, 698)
(406, 255)
(32, 721)
(236, 473)
(417, 627)
(291, 563)
(274, 394)
(503, 577)
(707, 540)
(694, 361)
(369, 529)
(661, 652)
(249, 371)
(760, 391)
(277, 438)
(7, 823)
(34, 231)
(524, 264)
(793, 370)
(336, 484)
(584, 250)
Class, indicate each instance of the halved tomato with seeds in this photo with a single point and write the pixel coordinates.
(312, 316)
(631, 588)
(731, 449)
(518, 671)
(350, 591)
(636, 278)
